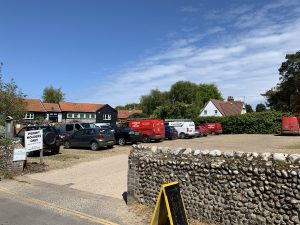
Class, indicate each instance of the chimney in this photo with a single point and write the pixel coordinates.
(230, 99)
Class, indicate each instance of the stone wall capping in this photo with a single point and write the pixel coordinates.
(215, 153)
(279, 156)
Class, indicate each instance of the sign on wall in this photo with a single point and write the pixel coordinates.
(19, 154)
(33, 140)
(169, 208)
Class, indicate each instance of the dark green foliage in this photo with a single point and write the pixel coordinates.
(260, 107)
(138, 115)
(286, 95)
(53, 95)
(249, 108)
(184, 100)
(154, 99)
(11, 101)
(130, 106)
(268, 122)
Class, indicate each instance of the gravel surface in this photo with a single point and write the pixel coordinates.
(241, 142)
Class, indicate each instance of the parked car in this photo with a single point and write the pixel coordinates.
(202, 130)
(170, 132)
(150, 129)
(90, 137)
(51, 139)
(290, 125)
(88, 125)
(71, 128)
(184, 127)
(62, 134)
(214, 128)
(124, 135)
(197, 133)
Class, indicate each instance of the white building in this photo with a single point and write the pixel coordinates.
(223, 108)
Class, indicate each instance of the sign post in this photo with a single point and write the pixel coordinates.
(34, 142)
(169, 208)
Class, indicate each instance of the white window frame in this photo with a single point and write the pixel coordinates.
(29, 116)
(205, 112)
(106, 116)
(216, 112)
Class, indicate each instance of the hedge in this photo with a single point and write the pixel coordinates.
(268, 122)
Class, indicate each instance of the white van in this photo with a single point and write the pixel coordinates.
(184, 127)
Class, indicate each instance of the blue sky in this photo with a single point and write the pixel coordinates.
(115, 51)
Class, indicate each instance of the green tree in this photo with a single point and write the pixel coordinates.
(129, 106)
(260, 107)
(286, 95)
(11, 100)
(249, 108)
(150, 102)
(53, 95)
(138, 115)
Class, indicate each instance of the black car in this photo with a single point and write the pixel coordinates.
(90, 137)
(124, 135)
(170, 132)
(51, 137)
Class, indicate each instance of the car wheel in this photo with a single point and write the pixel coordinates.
(182, 135)
(67, 145)
(121, 141)
(145, 139)
(94, 146)
(55, 150)
(49, 138)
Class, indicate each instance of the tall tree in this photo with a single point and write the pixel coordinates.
(249, 108)
(150, 102)
(286, 95)
(53, 95)
(11, 100)
(260, 107)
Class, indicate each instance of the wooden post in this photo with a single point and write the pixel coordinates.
(41, 156)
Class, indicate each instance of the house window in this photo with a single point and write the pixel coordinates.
(70, 115)
(93, 115)
(205, 112)
(216, 112)
(29, 116)
(106, 117)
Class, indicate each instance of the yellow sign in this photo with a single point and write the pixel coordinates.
(169, 208)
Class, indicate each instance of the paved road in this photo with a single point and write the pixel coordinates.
(86, 193)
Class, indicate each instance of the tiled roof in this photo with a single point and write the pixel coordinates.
(34, 105)
(79, 107)
(51, 107)
(228, 108)
(124, 114)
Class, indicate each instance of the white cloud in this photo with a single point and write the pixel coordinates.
(243, 64)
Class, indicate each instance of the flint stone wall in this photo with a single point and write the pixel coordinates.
(7, 166)
(220, 187)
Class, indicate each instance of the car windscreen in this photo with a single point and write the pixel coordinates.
(88, 125)
(105, 131)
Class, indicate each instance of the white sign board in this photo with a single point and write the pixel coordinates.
(33, 140)
(19, 154)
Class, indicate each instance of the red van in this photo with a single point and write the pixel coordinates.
(150, 129)
(290, 125)
(214, 128)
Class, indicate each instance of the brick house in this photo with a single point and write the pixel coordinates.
(34, 109)
(87, 112)
(124, 114)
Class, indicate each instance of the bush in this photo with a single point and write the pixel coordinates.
(268, 122)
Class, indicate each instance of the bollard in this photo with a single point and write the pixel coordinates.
(9, 127)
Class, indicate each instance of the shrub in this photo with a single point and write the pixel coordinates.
(268, 122)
